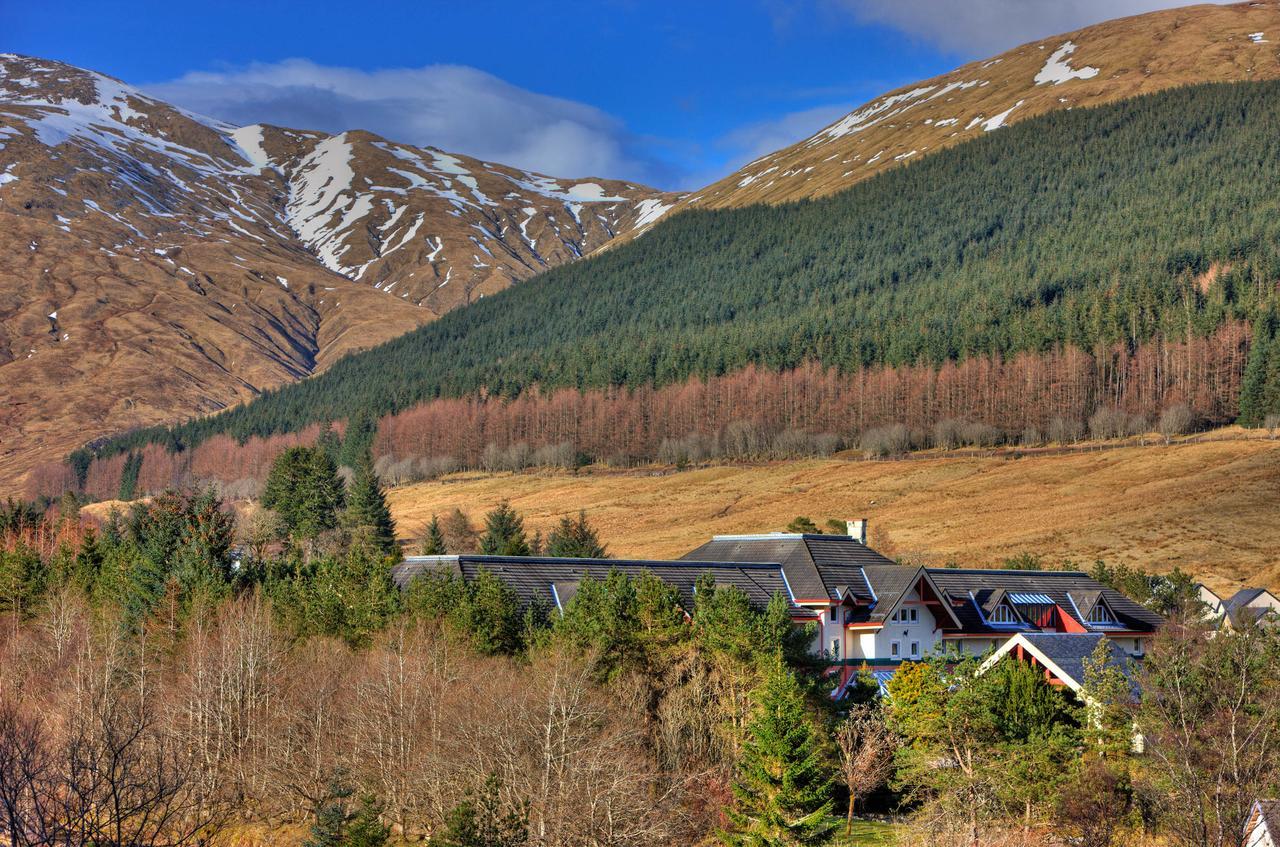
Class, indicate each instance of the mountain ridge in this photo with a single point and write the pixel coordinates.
(156, 264)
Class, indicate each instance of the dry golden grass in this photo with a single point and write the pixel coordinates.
(1209, 507)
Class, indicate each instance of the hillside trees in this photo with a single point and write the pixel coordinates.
(961, 257)
(304, 489)
(367, 510)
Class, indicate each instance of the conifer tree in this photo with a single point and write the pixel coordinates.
(367, 507)
(575, 540)
(366, 828)
(433, 543)
(504, 533)
(782, 791)
(332, 817)
(305, 491)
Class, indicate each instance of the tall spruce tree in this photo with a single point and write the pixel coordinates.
(782, 791)
(504, 533)
(433, 543)
(305, 491)
(575, 539)
(367, 507)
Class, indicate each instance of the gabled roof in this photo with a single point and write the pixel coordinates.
(1085, 600)
(890, 583)
(816, 565)
(1061, 587)
(556, 580)
(1061, 653)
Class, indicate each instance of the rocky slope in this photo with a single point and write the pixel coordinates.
(155, 264)
(1098, 64)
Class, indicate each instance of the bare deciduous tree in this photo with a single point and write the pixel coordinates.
(866, 749)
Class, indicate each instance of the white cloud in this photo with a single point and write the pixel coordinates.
(755, 140)
(452, 107)
(976, 28)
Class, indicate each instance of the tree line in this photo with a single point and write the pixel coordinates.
(179, 675)
(1012, 243)
(1031, 399)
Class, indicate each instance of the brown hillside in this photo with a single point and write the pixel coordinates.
(1109, 61)
(1206, 507)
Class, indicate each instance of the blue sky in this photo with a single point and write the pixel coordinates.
(674, 94)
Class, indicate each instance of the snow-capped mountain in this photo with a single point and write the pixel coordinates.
(1099, 64)
(156, 264)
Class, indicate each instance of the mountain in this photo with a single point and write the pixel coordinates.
(1097, 265)
(156, 264)
(1099, 64)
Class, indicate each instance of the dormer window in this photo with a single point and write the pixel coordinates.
(1003, 614)
(1101, 615)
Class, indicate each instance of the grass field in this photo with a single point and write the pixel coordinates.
(866, 834)
(1211, 507)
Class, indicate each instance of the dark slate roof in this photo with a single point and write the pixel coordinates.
(551, 578)
(1243, 597)
(888, 584)
(1067, 589)
(1069, 650)
(817, 566)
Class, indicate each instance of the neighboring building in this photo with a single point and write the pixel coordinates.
(553, 581)
(1061, 655)
(1249, 605)
(1263, 828)
(1214, 608)
(868, 610)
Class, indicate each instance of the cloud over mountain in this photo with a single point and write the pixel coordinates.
(453, 107)
(972, 28)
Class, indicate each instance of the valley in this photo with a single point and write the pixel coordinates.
(1202, 506)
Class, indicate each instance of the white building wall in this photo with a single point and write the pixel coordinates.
(922, 633)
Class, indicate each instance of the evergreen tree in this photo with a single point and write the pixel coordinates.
(504, 533)
(433, 543)
(805, 525)
(367, 507)
(366, 828)
(332, 817)
(361, 429)
(575, 540)
(782, 789)
(329, 441)
(304, 489)
(1256, 384)
(484, 821)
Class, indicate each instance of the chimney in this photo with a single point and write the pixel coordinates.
(858, 529)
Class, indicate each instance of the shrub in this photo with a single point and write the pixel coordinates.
(1108, 422)
(1031, 437)
(1065, 430)
(881, 441)
(976, 434)
(1176, 420)
(946, 433)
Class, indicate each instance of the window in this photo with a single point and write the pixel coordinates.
(1003, 614)
(915, 615)
(835, 648)
(893, 618)
(835, 614)
(915, 649)
(1100, 614)
(895, 650)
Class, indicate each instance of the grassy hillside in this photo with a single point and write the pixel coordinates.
(1087, 227)
(1205, 506)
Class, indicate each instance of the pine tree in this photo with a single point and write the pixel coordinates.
(484, 821)
(433, 544)
(1253, 388)
(575, 540)
(332, 818)
(504, 533)
(304, 489)
(782, 791)
(366, 828)
(367, 507)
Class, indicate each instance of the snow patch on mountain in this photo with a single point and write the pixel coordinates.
(1058, 68)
